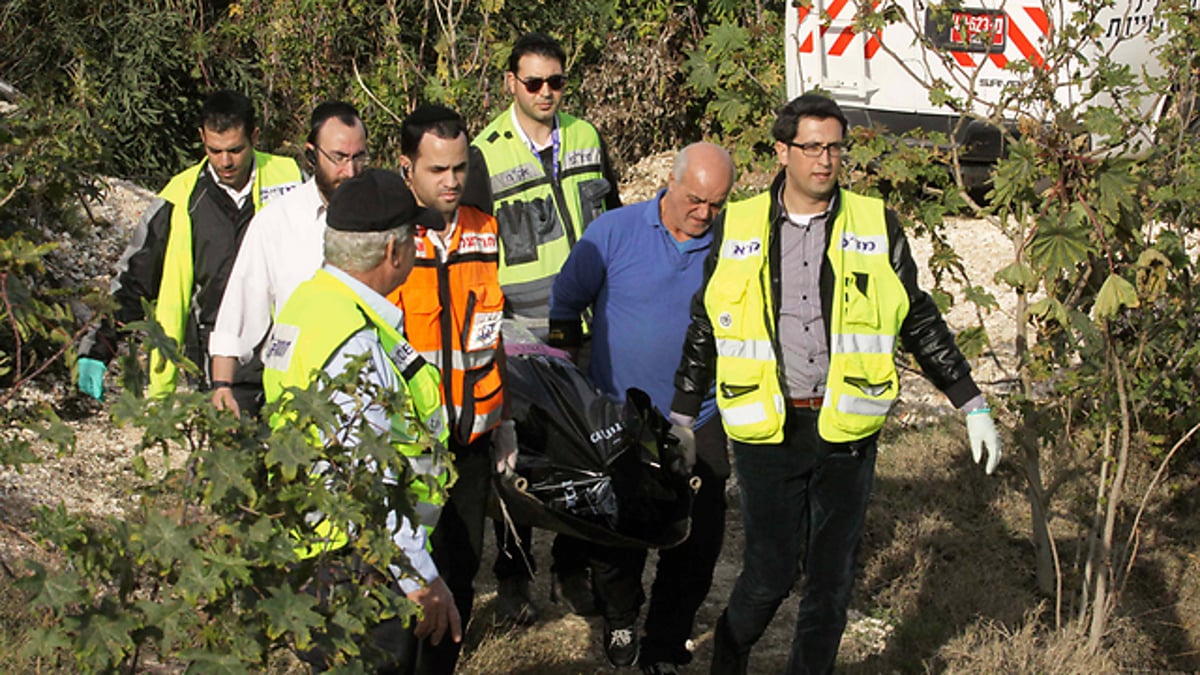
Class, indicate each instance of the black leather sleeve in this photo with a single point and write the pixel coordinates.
(924, 333)
(139, 274)
(697, 365)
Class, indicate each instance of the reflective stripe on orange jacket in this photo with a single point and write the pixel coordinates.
(452, 313)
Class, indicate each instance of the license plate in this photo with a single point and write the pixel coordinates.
(968, 30)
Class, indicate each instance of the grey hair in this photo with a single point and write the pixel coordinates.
(681, 160)
(359, 252)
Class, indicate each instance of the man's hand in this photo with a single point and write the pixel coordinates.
(981, 431)
(222, 399)
(438, 613)
(91, 377)
(504, 447)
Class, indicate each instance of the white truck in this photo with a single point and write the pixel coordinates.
(884, 77)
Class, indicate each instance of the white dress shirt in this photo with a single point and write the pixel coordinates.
(283, 247)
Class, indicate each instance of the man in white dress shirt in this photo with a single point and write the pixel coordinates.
(282, 246)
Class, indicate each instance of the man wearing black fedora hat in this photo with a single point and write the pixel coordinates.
(341, 315)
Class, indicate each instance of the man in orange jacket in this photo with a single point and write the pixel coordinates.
(452, 306)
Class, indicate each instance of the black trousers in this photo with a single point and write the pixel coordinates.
(458, 545)
(684, 573)
(804, 504)
(389, 645)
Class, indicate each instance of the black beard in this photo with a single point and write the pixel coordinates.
(324, 184)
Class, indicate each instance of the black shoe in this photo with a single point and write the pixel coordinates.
(514, 604)
(660, 668)
(576, 589)
(620, 645)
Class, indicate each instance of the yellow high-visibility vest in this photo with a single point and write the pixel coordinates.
(869, 305)
(273, 176)
(320, 315)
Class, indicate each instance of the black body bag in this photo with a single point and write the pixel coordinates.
(588, 465)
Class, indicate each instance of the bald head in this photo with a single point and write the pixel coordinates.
(700, 181)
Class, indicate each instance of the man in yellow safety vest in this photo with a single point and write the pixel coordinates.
(807, 288)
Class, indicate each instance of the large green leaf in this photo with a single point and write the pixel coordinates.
(164, 539)
(972, 341)
(53, 591)
(224, 472)
(981, 297)
(1018, 275)
(1117, 189)
(291, 450)
(105, 637)
(1060, 245)
(289, 612)
(1114, 294)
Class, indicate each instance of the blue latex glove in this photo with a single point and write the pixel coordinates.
(91, 377)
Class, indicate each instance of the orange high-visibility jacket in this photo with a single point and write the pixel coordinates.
(452, 312)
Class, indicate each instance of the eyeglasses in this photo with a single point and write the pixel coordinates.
(342, 159)
(814, 149)
(534, 84)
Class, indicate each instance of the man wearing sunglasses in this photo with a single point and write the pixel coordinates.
(182, 251)
(281, 249)
(805, 377)
(544, 175)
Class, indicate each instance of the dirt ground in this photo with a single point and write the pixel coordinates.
(946, 570)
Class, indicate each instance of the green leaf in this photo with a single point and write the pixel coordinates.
(1018, 275)
(1050, 309)
(53, 591)
(225, 472)
(1117, 189)
(1114, 294)
(105, 637)
(289, 612)
(981, 297)
(942, 299)
(291, 450)
(973, 341)
(163, 540)
(726, 38)
(1060, 245)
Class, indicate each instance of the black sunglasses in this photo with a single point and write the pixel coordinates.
(534, 84)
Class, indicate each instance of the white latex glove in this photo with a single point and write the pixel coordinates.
(687, 444)
(504, 446)
(981, 431)
(681, 420)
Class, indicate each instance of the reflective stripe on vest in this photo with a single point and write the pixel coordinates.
(862, 382)
(318, 318)
(868, 308)
(452, 314)
(273, 176)
(539, 220)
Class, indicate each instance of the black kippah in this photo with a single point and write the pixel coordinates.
(377, 200)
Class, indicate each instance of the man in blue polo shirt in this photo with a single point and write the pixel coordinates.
(637, 268)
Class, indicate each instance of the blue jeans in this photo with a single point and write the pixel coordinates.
(804, 502)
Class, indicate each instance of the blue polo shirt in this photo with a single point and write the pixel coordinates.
(638, 282)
